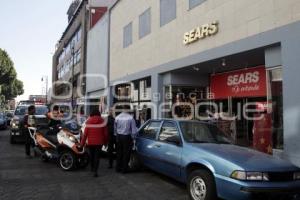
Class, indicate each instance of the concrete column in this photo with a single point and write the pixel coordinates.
(291, 95)
(157, 94)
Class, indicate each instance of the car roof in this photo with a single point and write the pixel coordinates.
(180, 120)
(27, 105)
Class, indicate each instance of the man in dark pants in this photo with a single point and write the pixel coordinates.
(29, 121)
(111, 138)
(125, 130)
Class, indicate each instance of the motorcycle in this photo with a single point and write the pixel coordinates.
(61, 144)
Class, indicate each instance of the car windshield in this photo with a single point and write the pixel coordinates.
(41, 110)
(196, 132)
(9, 114)
(21, 110)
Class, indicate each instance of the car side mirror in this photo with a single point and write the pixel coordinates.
(174, 139)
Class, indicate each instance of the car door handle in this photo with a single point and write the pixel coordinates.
(157, 145)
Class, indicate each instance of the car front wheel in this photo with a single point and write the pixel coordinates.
(201, 185)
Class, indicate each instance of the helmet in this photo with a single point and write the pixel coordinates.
(72, 126)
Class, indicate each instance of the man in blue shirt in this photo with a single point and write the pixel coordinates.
(125, 131)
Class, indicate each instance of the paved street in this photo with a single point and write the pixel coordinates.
(22, 178)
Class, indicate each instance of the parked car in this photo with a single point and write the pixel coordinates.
(199, 155)
(9, 116)
(3, 121)
(17, 122)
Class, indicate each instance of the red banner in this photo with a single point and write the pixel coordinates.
(249, 82)
(262, 133)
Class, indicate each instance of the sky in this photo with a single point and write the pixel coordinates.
(29, 31)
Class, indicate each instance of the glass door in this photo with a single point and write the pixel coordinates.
(274, 76)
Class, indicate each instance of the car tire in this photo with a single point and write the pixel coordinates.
(201, 185)
(67, 160)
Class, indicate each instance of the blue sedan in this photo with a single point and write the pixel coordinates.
(199, 155)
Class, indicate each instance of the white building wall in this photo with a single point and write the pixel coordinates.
(97, 56)
(238, 19)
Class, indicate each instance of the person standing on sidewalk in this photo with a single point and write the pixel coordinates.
(125, 130)
(96, 134)
(29, 121)
(111, 138)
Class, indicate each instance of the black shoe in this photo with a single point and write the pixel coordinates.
(28, 156)
(95, 175)
(110, 167)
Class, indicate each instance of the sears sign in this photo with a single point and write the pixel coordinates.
(249, 82)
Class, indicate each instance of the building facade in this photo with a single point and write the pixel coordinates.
(213, 58)
(69, 60)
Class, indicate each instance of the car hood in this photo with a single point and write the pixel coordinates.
(248, 159)
(40, 116)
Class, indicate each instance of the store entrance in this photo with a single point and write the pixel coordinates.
(242, 110)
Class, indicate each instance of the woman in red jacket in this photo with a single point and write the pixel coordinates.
(96, 134)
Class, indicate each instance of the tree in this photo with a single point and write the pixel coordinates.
(10, 86)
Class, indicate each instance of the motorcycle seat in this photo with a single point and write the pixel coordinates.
(50, 135)
(52, 138)
(43, 131)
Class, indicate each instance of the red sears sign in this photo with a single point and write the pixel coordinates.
(249, 82)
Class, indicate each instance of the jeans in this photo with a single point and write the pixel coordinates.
(28, 143)
(95, 152)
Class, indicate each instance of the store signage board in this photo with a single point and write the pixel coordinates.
(200, 32)
(249, 82)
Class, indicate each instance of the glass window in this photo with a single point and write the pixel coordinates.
(21, 110)
(196, 132)
(127, 35)
(78, 56)
(150, 130)
(78, 35)
(168, 131)
(275, 96)
(145, 23)
(194, 3)
(167, 11)
(41, 110)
